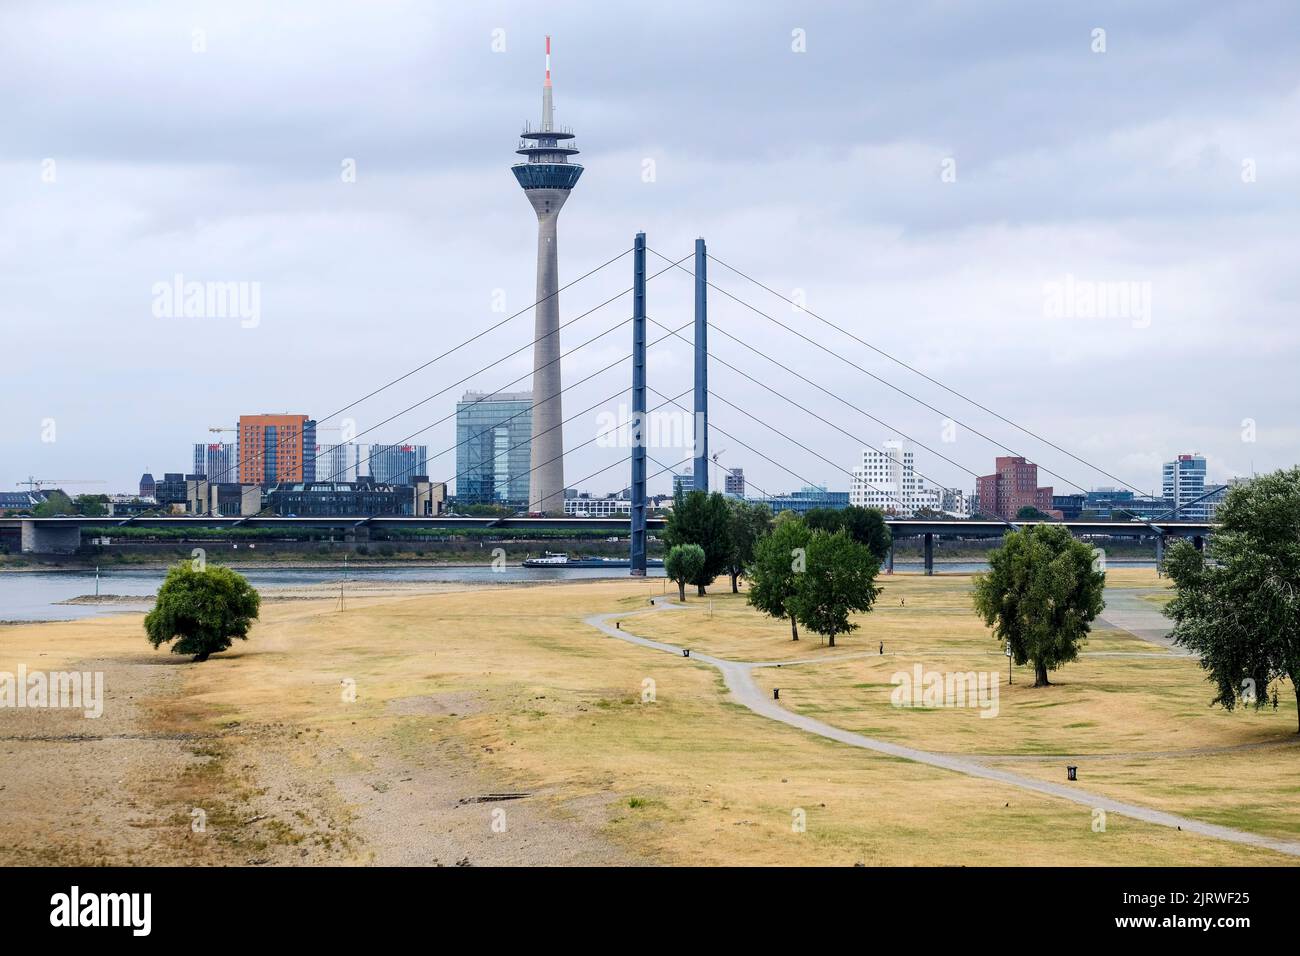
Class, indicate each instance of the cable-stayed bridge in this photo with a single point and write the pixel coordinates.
(771, 373)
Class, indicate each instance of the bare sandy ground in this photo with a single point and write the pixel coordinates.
(156, 781)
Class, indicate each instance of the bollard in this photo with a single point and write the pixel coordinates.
(1071, 773)
(618, 625)
(776, 693)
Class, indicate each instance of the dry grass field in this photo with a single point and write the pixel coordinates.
(463, 697)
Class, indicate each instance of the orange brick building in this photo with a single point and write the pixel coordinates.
(276, 448)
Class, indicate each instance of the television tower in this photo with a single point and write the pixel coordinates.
(547, 177)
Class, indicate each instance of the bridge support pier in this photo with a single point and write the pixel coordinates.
(929, 552)
(1160, 554)
(38, 540)
(1198, 542)
(889, 560)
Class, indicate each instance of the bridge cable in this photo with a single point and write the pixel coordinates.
(842, 431)
(899, 389)
(923, 375)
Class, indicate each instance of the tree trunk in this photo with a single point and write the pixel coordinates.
(1296, 684)
(681, 591)
(832, 639)
(1040, 675)
(200, 657)
(700, 589)
(734, 578)
(794, 629)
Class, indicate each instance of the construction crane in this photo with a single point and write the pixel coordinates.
(36, 483)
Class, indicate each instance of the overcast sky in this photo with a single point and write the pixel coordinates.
(950, 182)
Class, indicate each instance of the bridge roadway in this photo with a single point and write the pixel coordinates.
(63, 534)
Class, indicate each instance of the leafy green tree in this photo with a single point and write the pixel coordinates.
(1040, 595)
(703, 519)
(780, 560)
(486, 509)
(202, 610)
(1030, 513)
(1241, 610)
(864, 525)
(92, 506)
(840, 580)
(56, 503)
(749, 522)
(683, 564)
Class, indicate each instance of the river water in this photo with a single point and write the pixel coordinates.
(35, 595)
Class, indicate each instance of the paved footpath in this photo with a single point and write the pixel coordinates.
(740, 681)
(1126, 610)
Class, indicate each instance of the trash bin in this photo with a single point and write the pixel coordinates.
(686, 652)
(776, 693)
(1071, 773)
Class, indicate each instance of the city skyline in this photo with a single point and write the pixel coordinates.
(961, 277)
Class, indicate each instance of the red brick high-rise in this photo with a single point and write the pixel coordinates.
(1012, 486)
(276, 448)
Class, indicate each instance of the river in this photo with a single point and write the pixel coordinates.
(35, 595)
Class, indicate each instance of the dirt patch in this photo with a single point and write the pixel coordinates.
(434, 705)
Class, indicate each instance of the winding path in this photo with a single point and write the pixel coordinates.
(739, 680)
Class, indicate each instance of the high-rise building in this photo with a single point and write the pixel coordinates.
(1183, 485)
(276, 448)
(493, 435)
(547, 178)
(216, 461)
(1012, 486)
(396, 464)
(147, 485)
(734, 483)
(887, 480)
(339, 462)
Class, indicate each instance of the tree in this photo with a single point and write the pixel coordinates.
(1040, 595)
(55, 503)
(202, 610)
(704, 519)
(864, 525)
(840, 579)
(1030, 513)
(683, 564)
(1241, 611)
(779, 562)
(92, 506)
(750, 521)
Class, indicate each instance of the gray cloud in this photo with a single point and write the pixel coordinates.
(816, 171)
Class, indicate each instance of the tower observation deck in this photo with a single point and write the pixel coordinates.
(547, 176)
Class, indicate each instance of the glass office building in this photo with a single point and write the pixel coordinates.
(396, 464)
(493, 444)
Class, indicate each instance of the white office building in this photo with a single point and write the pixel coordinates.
(585, 506)
(886, 480)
